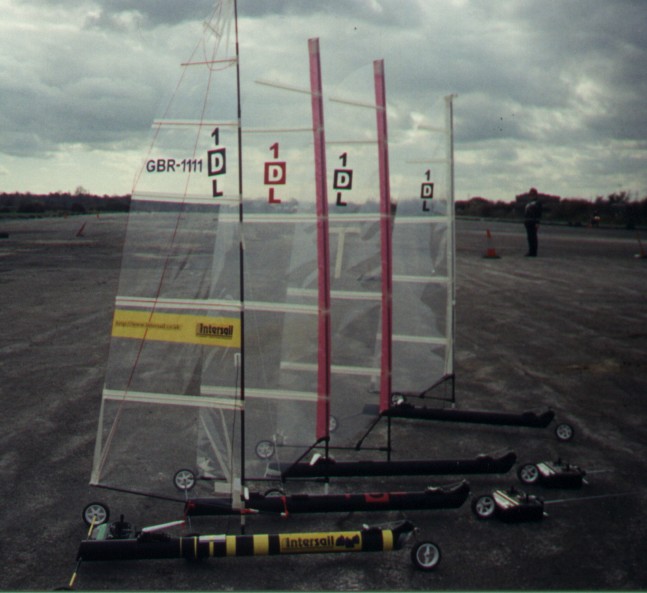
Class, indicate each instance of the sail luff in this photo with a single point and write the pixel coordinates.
(323, 246)
(385, 236)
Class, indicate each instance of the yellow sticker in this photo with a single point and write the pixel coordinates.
(344, 541)
(177, 327)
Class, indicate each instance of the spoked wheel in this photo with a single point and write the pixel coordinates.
(425, 555)
(96, 513)
(564, 432)
(184, 480)
(484, 507)
(528, 473)
(265, 449)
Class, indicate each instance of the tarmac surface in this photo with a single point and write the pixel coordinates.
(566, 330)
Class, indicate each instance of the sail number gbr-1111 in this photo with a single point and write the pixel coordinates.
(174, 166)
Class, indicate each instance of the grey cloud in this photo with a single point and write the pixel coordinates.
(528, 74)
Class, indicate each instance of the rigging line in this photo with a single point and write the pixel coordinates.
(217, 454)
(596, 497)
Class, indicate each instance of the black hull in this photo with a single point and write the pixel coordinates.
(326, 468)
(160, 546)
(449, 497)
(526, 419)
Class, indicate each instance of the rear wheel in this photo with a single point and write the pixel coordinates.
(96, 513)
(397, 399)
(484, 507)
(425, 555)
(274, 492)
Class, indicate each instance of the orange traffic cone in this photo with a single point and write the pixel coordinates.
(490, 252)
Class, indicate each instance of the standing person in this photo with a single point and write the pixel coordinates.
(532, 216)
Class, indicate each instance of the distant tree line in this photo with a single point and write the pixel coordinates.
(60, 204)
(618, 209)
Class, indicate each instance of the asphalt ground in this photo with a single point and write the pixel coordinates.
(567, 330)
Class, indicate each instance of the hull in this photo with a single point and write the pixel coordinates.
(526, 419)
(449, 497)
(323, 468)
(157, 546)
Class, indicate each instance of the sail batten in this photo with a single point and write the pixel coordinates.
(335, 369)
(199, 123)
(252, 393)
(171, 304)
(171, 399)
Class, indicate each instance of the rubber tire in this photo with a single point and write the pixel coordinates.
(564, 432)
(269, 448)
(397, 400)
(96, 509)
(274, 492)
(184, 480)
(426, 556)
(528, 473)
(484, 507)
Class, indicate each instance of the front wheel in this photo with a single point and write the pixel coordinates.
(528, 473)
(96, 513)
(484, 507)
(425, 555)
(265, 449)
(564, 432)
(184, 480)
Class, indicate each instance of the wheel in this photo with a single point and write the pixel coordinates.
(96, 513)
(484, 506)
(264, 449)
(528, 473)
(425, 555)
(274, 492)
(564, 432)
(332, 424)
(397, 399)
(184, 480)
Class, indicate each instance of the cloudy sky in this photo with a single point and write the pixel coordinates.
(551, 93)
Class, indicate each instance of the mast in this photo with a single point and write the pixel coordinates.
(323, 246)
(451, 241)
(385, 236)
(241, 251)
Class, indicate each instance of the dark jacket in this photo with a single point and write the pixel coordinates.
(532, 212)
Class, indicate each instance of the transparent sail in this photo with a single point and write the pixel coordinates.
(287, 340)
(356, 264)
(423, 253)
(178, 310)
